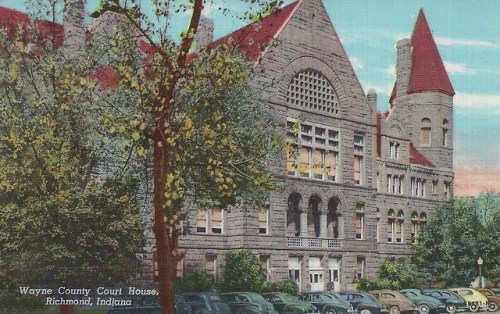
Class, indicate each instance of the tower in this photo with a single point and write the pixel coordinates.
(424, 94)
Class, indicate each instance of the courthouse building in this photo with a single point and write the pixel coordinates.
(359, 184)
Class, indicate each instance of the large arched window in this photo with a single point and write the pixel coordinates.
(334, 219)
(425, 131)
(313, 216)
(293, 214)
(310, 90)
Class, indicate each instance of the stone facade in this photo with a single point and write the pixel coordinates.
(359, 183)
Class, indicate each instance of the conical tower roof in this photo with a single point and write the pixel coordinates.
(428, 72)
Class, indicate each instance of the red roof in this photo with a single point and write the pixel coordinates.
(428, 72)
(416, 157)
(15, 21)
(253, 39)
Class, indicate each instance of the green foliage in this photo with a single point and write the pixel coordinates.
(391, 275)
(65, 216)
(284, 285)
(461, 231)
(198, 280)
(242, 272)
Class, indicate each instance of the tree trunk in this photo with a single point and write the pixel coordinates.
(164, 248)
(66, 309)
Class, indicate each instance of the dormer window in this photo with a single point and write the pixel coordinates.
(393, 150)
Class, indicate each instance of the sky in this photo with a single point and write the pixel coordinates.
(468, 38)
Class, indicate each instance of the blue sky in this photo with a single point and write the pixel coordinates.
(468, 38)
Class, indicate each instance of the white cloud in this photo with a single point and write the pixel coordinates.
(448, 41)
(380, 89)
(391, 72)
(465, 100)
(356, 63)
(456, 68)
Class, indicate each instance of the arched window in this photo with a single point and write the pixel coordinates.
(445, 133)
(414, 227)
(425, 131)
(310, 90)
(313, 216)
(399, 227)
(293, 214)
(391, 226)
(334, 219)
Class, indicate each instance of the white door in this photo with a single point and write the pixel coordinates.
(294, 267)
(334, 269)
(316, 274)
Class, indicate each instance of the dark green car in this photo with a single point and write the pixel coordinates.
(327, 303)
(285, 303)
(452, 301)
(425, 303)
(247, 303)
(364, 303)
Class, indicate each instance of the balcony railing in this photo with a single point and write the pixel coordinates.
(314, 242)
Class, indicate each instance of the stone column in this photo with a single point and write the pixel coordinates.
(323, 225)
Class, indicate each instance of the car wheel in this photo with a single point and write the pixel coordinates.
(365, 311)
(473, 307)
(394, 310)
(423, 309)
(492, 306)
(451, 308)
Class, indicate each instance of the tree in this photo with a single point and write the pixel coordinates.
(198, 280)
(242, 272)
(460, 232)
(194, 116)
(66, 218)
(391, 275)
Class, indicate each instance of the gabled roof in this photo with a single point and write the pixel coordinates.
(17, 23)
(416, 157)
(254, 38)
(428, 72)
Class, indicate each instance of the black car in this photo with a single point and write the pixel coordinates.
(206, 303)
(327, 303)
(363, 302)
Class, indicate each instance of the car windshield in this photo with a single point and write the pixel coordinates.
(287, 297)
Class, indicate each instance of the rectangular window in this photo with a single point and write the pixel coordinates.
(360, 267)
(318, 162)
(358, 166)
(399, 231)
(390, 230)
(265, 264)
(389, 183)
(447, 190)
(202, 221)
(393, 150)
(305, 161)
(211, 264)
(331, 165)
(217, 220)
(400, 186)
(360, 222)
(434, 187)
(425, 135)
(263, 221)
(445, 137)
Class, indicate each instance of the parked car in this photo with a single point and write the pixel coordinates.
(395, 301)
(327, 303)
(496, 291)
(451, 300)
(206, 303)
(285, 303)
(364, 303)
(494, 300)
(247, 303)
(425, 303)
(474, 299)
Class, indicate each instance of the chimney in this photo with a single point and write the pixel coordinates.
(205, 33)
(74, 27)
(403, 66)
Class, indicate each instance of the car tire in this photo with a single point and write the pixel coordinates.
(423, 309)
(451, 308)
(394, 310)
(330, 311)
(473, 307)
(365, 311)
(492, 306)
